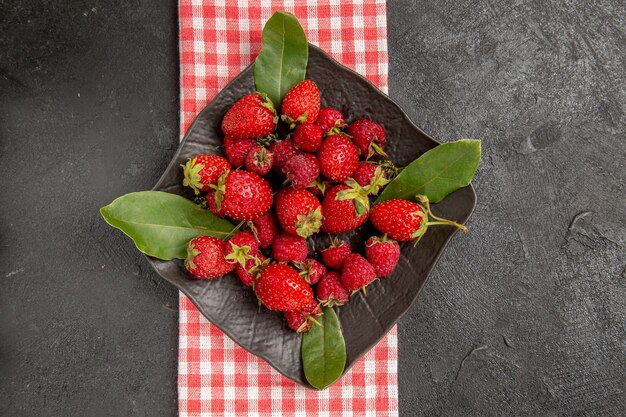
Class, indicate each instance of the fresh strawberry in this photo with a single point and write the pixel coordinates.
(242, 195)
(369, 136)
(338, 158)
(259, 160)
(311, 270)
(237, 150)
(330, 118)
(345, 207)
(288, 248)
(405, 220)
(383, 253)
(205, 257)
(357, 272)
(248, 273)
(319, 187)
(301, 170)
(301, 321)
(280, 288)
(370, 176)
(308, 137)
(301, 103)
(204, 170)
(250, 118)
(265, 228)
(210, 198)
(283, 150)
(331, 291)
(335, 254)
(241, 247)
(299, 212)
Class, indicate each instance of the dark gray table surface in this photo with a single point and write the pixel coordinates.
(525, 315)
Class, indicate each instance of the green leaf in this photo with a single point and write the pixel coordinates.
(283, 58)
(324, 351)
(437, 173)
(161, 224)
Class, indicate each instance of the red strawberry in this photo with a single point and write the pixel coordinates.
(242, 195)
(405, 220)
(357, 273)
(204, 170)
(371, 177)
(330, 118)
(248, 273)
(331, 291)
(205, 257)
(338, 158)
(210, 198)
(237, 150)
(299, 212)
(308, 137)
(250, 118)
(311, 270)
(301, 321)
(383, 254)
(301, 170)
(289, 248)
(283, 151)
(369, 136)
(345, 208)
(335, 254)
(265, 228)
(241, 247)
(259, 160)
(301, 103)
(280, 288)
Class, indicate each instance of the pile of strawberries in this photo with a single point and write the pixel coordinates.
(321, 158)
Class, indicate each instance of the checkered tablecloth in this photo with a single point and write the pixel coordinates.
(216, 377)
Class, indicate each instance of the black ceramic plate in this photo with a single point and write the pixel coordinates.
(365, 320)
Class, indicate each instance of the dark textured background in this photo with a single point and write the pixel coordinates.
(525, 315)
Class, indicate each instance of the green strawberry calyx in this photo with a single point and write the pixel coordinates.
(192, 252)
(378, 181)
(424, 203)
(356, 193)
(239, 254)
(192, 179)
(310, 223)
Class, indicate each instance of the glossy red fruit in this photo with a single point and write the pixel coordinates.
(330, 118)
(259, 160)
(301, 170)
(283, 150)
(401, 220)
(311, 270)
(335, 254)
(299, 212)
(237, 150)
(242, 195)
(241, 247)
(357, 272)
(341, 216)
(383, 253)
(369, 136)
(301, 103)
(405, 220)
(287, 248)
(371, 176)
(301, 321)
(331, 291)
(265, 228)
(308, 137)
(247, 274)
(210, 198)
(204, 170)
(205, 257)
(338, 158)
(250, 118)
(280, 288)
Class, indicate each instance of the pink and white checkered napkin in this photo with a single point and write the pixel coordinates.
(216, 377)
